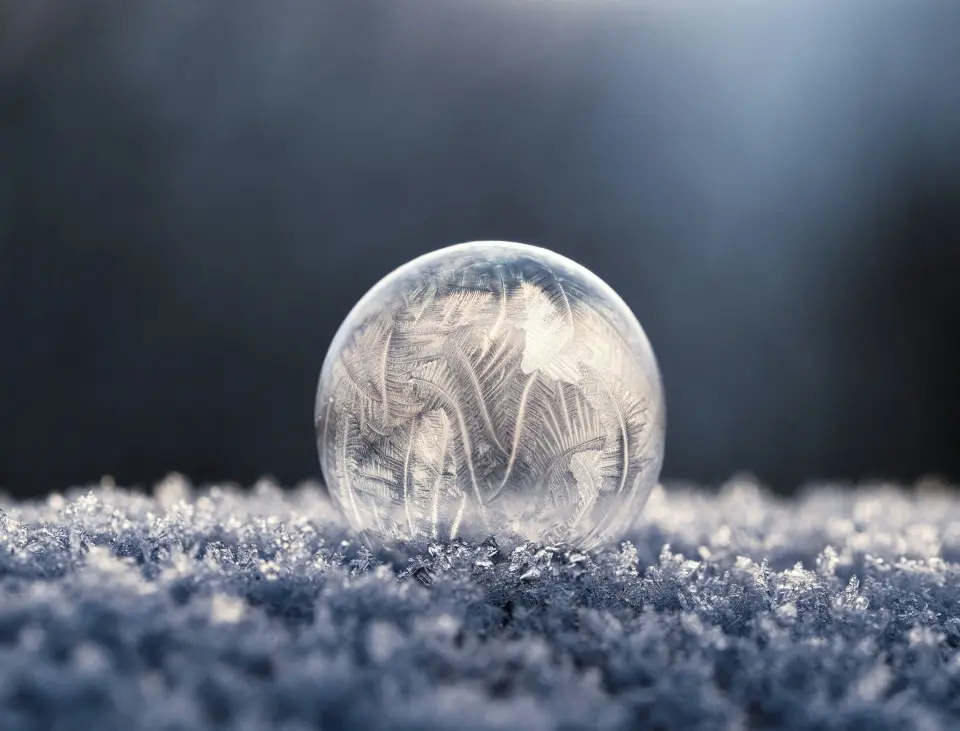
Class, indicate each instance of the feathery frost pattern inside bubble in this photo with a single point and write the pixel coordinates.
(491, 387)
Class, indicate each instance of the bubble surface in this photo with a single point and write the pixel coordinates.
(489, 388)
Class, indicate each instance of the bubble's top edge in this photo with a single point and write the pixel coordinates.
(465, 247)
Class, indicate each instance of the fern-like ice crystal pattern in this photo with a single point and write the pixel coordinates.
(490, 391)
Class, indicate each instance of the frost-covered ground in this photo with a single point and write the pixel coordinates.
(223, 609)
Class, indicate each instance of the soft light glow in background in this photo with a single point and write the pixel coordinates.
(193, 195)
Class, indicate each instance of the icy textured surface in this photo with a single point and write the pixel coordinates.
(249, 611)
(491, 387)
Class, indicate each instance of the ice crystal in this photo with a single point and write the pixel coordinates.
(490, 388)
(218, 609)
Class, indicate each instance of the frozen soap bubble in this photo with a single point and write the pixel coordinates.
(488, 388)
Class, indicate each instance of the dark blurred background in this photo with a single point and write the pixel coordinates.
(194, 194)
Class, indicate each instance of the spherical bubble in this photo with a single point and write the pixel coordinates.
(488, 388)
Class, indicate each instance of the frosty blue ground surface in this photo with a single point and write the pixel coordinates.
(222, 609)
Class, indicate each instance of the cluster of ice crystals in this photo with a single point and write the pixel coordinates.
(488, 388)
(240, 610)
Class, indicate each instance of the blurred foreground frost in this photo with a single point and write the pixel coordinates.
(222, 609)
